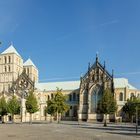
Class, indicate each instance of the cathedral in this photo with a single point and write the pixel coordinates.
(18, 77)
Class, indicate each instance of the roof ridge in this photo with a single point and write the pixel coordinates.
(29, 62)
(10, 49)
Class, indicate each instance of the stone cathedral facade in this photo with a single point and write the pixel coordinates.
(18, 77)
(92, 85)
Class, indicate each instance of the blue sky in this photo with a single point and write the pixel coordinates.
(62, 36)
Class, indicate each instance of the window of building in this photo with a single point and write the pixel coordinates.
(28, 71)
(48, 97)
(77, 97)
(9, 59)
(9, 68)
(132, 95)
(52, 95)
(74, 96)
(85, 98)
(121, 96)
(70, 97)
(5, 69)
(5, 59)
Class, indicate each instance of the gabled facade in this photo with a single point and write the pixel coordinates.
(92, 85)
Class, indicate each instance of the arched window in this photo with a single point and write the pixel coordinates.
(48, 97)
(5, 69)
(77, 97)
(121, 96)
(28, 71)
(5, 59)
(70, 97)
(52, 95)
(9, 68)
(132, 95)
(9, 59)
(74, 96)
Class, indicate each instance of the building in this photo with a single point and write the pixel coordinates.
(18, 77)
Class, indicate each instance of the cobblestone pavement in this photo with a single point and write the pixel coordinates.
(67, 131)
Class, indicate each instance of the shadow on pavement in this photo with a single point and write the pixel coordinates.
(126, 133)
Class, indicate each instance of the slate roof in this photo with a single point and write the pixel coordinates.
(11, 49)
(73, 85)
(29, 62)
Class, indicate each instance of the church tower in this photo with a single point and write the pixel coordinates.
(31, 70)
(11, 65)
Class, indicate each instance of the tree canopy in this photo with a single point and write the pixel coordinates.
(3, 108)
(58, 104)
(31, 104)
(130, 107)
(13, 106)
(107, 104)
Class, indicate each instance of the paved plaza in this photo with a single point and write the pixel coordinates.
(67, 131)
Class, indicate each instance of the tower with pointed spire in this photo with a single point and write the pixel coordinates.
(11, 64)
(31, 70)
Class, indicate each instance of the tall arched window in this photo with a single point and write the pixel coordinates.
(48, 97)
(52, 95)
(77, 97)
(74, 96)
(5, 69)
(9, 59)
(70, 97)
(9, 68)
(5, 59)
(121, 96)
(28, 71)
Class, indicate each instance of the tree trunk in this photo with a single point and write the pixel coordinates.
(30, 118)
(45, 116)
(105, 120)
(13, 118)
(57, 117)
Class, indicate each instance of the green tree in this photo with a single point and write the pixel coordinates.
(60, 104)
(31, 104)
(130, 107)
(13, 107)
(3, 108)
(107, 105)
(57, 106)
(50, 109)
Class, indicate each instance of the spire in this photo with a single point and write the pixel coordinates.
(89, 66)
(88, 69)
(104, 65)
(11, 49)
(97, 57)
(11, 43)
(112, 73)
